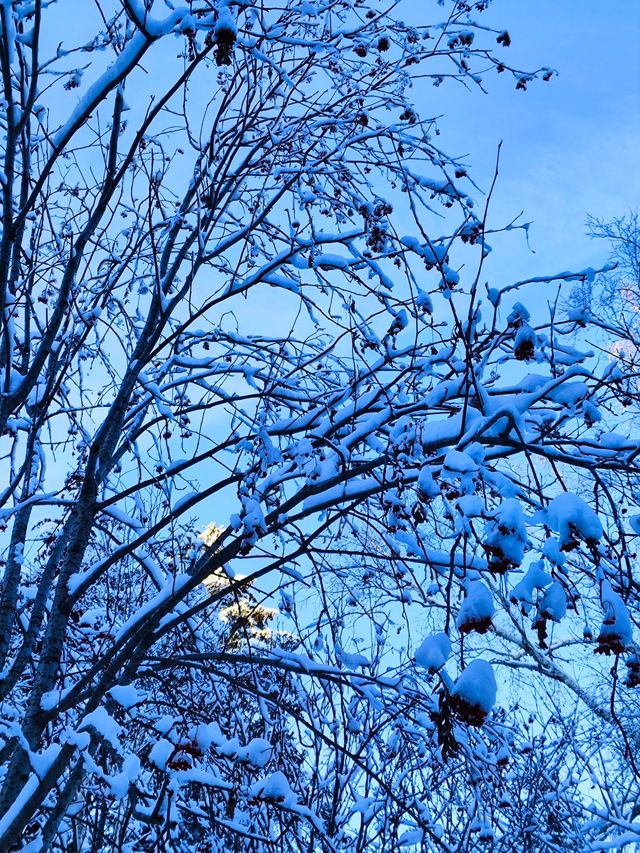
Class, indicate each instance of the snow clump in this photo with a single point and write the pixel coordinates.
(523, 591)
(554, 603)
(274, 789)
(616, 633)
(476, 610)
(573, 520)
(474, 693)
(433, 652)
(506, 536)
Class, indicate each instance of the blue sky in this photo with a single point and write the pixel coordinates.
(570, 146)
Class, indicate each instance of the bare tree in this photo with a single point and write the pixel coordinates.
(611, 301)
(210, 310)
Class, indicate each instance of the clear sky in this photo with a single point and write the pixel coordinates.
(570, 146)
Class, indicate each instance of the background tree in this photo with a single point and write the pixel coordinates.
(244, 283)
(612, 300)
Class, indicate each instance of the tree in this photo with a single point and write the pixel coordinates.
(612, 301)
(211, 311)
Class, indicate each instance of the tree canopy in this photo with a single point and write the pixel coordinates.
(244, 292)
